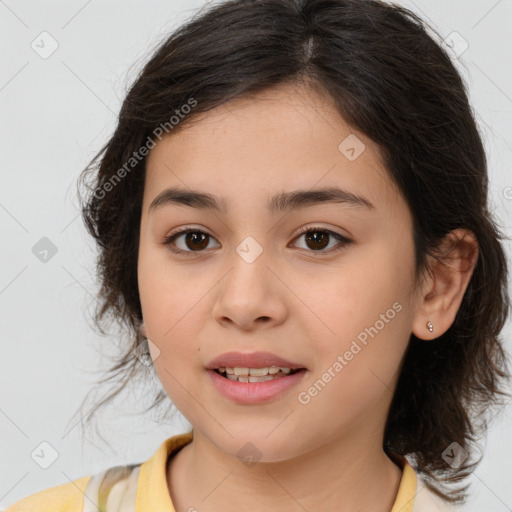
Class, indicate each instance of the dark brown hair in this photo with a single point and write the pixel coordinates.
(392, 81)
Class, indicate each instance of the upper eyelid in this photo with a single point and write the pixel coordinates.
(302, 230)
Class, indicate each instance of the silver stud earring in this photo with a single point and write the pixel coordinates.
(430, 327)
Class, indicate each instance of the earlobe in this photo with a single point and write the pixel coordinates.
(451, 272)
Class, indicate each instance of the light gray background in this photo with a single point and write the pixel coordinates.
(55, 115)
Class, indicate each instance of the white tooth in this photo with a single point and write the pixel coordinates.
(222, 369)
(264, 378)
(258, 372)
(255, 374)
(230, 370)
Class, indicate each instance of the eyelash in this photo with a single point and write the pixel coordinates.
(305, 229)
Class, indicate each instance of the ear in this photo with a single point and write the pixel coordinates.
(443, 290)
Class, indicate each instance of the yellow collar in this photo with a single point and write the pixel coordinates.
(152, 491)
(404, 501)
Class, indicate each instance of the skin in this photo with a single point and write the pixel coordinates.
(301, 304)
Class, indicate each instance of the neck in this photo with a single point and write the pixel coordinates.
(345, 474)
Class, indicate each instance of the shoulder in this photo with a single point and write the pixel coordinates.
(114, 488)
(68, 497)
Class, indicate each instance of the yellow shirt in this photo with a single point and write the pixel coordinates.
(143, 488)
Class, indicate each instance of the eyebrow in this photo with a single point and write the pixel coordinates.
(284, 201)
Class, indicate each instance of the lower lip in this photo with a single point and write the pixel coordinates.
(254, 392)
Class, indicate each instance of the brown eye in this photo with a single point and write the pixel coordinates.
(317, 239)
(193, 240)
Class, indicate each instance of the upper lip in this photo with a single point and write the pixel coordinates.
(251, 360)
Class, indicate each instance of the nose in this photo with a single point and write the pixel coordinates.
(251, 295)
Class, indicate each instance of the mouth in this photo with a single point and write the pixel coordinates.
(238, 374)
(252, 386)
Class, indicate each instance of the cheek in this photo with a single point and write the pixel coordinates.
(357, 367)
(367, 315)
(171, 309)
(171, 306)
(166, 295)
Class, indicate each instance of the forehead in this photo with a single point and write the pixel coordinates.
(282, 138)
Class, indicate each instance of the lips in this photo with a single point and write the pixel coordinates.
(252, 360)
(253, 393)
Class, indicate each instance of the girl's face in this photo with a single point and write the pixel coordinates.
(250, 281)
